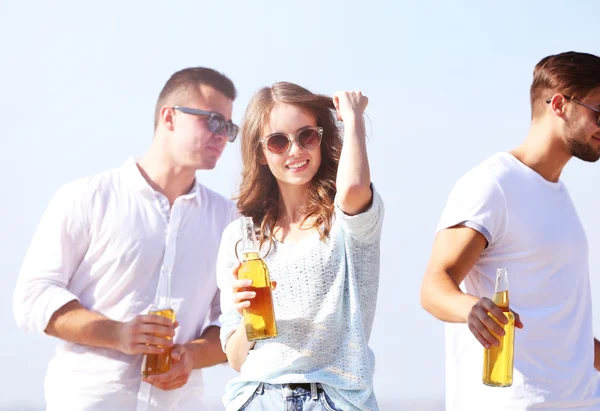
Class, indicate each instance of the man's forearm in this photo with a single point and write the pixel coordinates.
(206, 351)
(75, 323)
(443, 299)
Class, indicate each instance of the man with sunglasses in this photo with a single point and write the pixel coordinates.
(513, 211)
(91, 273)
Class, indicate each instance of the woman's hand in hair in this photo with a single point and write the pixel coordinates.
(349, 104)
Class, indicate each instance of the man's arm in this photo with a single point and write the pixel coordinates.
(142, 335)
(74, 323)
(206, 351)
(57, 248)
(455, 252)
(42, 299)
(596, 354)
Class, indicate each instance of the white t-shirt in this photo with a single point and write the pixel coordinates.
(533, 230)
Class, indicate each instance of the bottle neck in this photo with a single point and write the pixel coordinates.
(250, 255)
(501, 280)
(162, 298)
(501, 290)
(248, 244)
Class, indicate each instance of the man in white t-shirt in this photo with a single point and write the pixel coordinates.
(92, 270)
(513, 211)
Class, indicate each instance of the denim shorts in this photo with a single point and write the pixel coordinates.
(289, 397)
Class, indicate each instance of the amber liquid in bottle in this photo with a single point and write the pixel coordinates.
(498, 360)
(154, 364)
(259, 318)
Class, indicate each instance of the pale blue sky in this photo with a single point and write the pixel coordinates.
(448, 86)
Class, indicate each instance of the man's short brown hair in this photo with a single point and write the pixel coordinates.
(184, 79)
(571, 73)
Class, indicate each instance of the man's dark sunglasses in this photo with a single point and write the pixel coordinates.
(215, 122)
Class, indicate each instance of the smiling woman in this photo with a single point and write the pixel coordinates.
(320, 221)
(291, 163)
(277, 117)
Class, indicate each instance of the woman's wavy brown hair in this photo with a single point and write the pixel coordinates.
(259, 194)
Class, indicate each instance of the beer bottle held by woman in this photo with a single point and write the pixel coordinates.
(259, 318)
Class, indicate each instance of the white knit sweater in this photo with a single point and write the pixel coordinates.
(324, 307)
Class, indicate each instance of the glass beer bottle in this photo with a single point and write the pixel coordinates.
(154, 364)
(498, 360)
(259, 318)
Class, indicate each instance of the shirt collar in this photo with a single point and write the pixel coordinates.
(136, 181)
(194, 192)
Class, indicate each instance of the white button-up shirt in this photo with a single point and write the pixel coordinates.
(102, 241)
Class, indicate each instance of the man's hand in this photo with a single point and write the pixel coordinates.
(145, 334)
(179, 373)
(484, 327)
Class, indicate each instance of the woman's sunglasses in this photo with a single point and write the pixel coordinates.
(215, 122)
(306, 138)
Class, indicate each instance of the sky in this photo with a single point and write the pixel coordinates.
(448, 86)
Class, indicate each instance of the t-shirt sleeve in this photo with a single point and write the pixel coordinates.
(476, 201)
(366, 226)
